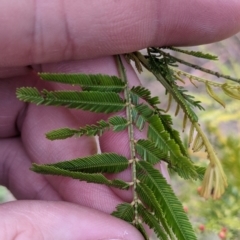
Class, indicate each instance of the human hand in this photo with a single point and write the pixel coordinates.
(48, 36)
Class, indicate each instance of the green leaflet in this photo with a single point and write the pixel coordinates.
(148, 198)
(167, 122)
(200, 171)
(107, 102)
(145, 94)
(175, 91)
(61, 133)
(105, 163)
(117, 123)
(93, 178)
(125, 212)
(147, 150)
(195, 53)
(172, 208)
(162, 139)
(142, 230)
(91, 82)
(87, 130)
(152, 222)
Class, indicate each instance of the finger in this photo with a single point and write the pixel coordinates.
(33, 122)
(15, 173)
(60, 220)
(43, 31)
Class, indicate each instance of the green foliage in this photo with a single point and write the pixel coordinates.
(104, 102)
(105, 162)
(154, 202)
(117, 124)
(87, 82)
(195, 53)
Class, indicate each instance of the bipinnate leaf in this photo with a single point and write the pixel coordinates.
(170, 205)
(88, 177)
(91, 82)
(152, 222)
(106, 102)
(124, 211)
(99, 163)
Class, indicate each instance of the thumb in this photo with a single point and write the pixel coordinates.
(60, 220)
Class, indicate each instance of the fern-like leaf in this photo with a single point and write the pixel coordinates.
(91, 82)
(152, 222)
(107, 102)
(167, 122)
(88, 177)
(172, 208)
(195, 53)
(162, 140)
(105, 162)
(117, 123)
(148, 198)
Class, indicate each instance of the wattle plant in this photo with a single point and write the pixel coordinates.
(154, 203)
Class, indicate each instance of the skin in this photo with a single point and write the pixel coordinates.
(72, 36)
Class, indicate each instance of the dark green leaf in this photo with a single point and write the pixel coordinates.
(152, 222)
(142, 230)
(99, 163)
(92, 178)
(162, 140)
(171, 206)
(118, 123)
(107, 102)
(125, 212)
(148, 198)
(91, 82)
(201, 171)
(145, 94)
(61, 133)
(147, 150)
(195, 53)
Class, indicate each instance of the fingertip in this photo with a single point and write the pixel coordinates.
(60, 220)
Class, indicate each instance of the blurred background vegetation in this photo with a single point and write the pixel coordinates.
(212, 219)
(219, 219)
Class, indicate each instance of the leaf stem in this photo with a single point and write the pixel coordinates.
(122, 73)
(217, 74)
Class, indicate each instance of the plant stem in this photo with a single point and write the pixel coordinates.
(217, 74)
(122, 73)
